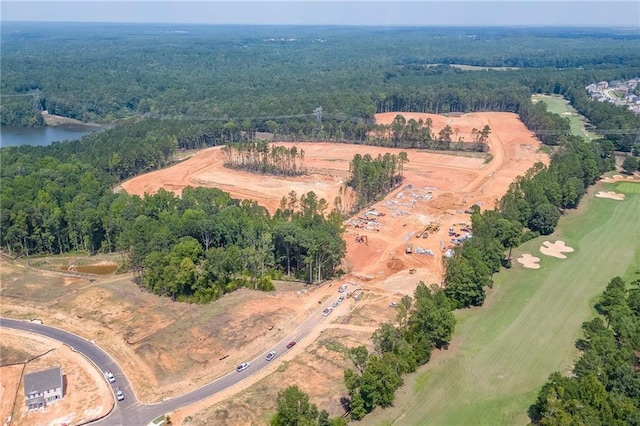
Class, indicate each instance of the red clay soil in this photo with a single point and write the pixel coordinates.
(454, 181)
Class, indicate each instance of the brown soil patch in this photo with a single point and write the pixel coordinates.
(610, 194)
(10, 380)
(528, 261)
(453, 182)
(168, 348)
(555, 249)
(87, 395)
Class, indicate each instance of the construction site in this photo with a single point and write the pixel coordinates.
(393, 244)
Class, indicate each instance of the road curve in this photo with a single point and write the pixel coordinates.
(131, 411)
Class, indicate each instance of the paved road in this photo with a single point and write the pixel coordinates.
(131, 412)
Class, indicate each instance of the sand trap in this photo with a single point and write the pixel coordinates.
(529, 261)
(555, 249)
(610, 194)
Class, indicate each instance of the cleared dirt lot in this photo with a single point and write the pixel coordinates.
(168, 348)
(87, 395)
(455, 181)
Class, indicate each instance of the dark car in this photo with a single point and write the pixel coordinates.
(290, 345)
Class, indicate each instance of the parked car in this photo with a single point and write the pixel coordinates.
(242, 367)
(271, 355)
(119, 394)
(290, 345)
(110, 377)
(335, 304)
(342, 288)
(340, 299)
(326, 312)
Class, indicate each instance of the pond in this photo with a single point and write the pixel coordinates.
(42, 136)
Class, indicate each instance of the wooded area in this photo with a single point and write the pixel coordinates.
(372, 177)
(240, 81)
(605, 385)
(259, 157)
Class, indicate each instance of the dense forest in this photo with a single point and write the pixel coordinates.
(605, 385)
(196, 72)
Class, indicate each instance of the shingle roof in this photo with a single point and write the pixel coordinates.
(44, 380)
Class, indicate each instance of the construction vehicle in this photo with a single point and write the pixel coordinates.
(362, 239)
(431, 228)
(409, 249)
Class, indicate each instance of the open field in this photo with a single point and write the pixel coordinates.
(167, 348)
(503, 352)
(559, 105)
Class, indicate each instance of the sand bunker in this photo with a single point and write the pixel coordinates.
(555, 249)
(610, 194)
(529, 261)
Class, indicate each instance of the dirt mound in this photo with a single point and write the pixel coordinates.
(395, 264)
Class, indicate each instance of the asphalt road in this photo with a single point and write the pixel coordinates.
(131, 412)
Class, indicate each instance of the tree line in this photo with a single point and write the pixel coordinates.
(424, 322)
(259, 156)
(532, 206)
(195, 247)
(604, 387)
(372, 177)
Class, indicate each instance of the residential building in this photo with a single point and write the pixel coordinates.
(43, 387)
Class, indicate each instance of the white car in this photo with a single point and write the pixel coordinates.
(326, 312)
(271, 355)
(340, 299)
(110, 377)
(119, 395)
(242, 367)
(342, 288)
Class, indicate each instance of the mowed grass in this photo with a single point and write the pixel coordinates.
(503, 352)
(628, 187)
(559, 105)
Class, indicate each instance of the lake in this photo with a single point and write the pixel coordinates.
(40, 136)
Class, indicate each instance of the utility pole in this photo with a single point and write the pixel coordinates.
(318, 114)
(36, 99)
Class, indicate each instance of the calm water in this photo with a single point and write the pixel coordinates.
(14, 136)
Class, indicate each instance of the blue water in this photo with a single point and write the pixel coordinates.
(40, 136)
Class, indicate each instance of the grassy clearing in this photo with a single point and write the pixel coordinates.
(628, 187)
(503, 352)
(559, 105)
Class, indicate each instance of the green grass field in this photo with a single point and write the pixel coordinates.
(559, 105)
(628, 187)
(503, 352)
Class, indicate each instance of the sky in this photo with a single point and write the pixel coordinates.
(322, 12)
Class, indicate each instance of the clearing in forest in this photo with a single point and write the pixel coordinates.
(168, 348)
